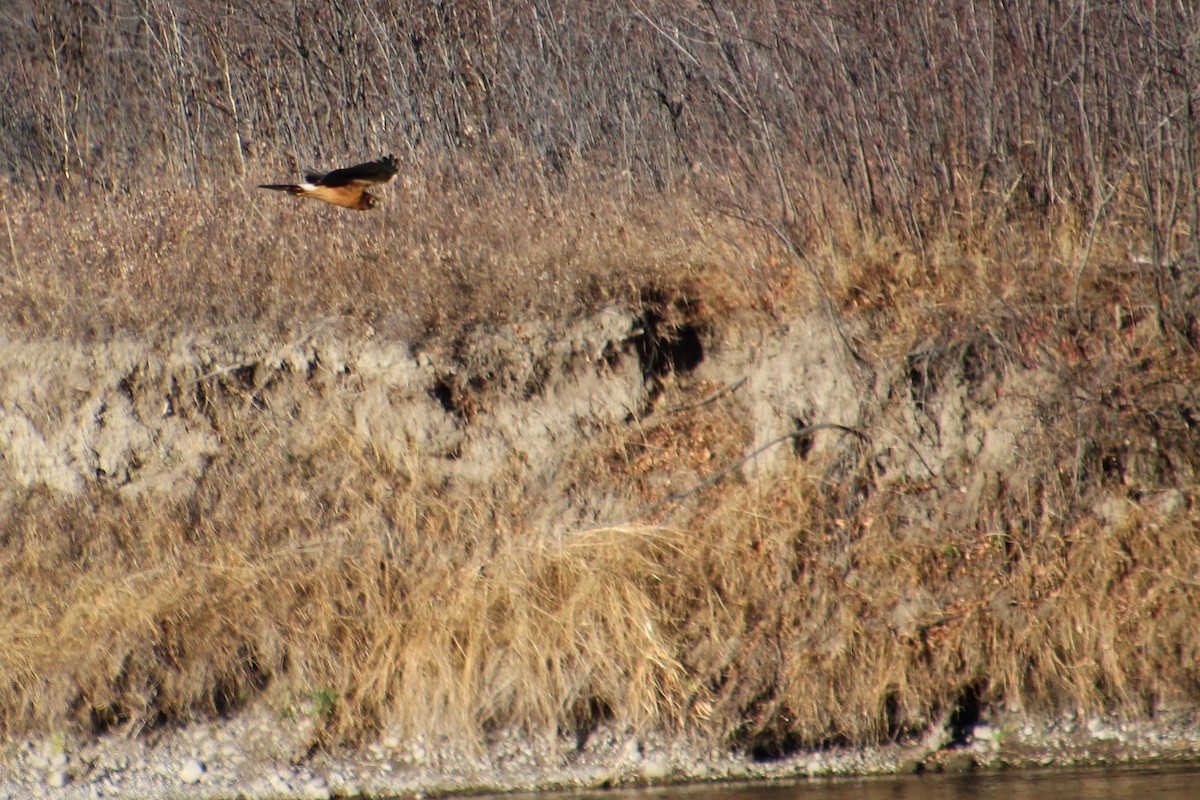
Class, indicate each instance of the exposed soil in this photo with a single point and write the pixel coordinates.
(945, 431)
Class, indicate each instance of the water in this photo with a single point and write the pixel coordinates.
(1176, 783)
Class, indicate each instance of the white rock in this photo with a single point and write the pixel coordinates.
(279, 783)
(345, 786)
(655, 769)
(316, 789)
(191, 771)
(259, 787)
(985, 733)
(1100, 731)
(58, 779)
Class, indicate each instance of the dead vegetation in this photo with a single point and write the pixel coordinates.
(835, 599)
(969, 192)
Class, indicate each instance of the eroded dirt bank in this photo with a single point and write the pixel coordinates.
(506, 560)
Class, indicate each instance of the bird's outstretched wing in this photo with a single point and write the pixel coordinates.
(366, 174)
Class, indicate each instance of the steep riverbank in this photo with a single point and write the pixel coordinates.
(519, 558)
(741, 384)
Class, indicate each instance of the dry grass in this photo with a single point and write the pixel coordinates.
(333, 574)
(825, 602)
(807, 608)
(431, 260)
(822, 604)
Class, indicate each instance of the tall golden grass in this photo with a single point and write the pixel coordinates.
(812, 606)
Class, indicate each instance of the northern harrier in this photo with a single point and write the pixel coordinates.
(344, 187)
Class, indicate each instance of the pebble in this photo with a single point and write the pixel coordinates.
(279, 783)
(985, 733)
(94, 771)
(655, 769)
(316, 789)
(191, 771)
(349, 789)
(1102, 732)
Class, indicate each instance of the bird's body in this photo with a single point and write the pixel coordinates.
(344, 187)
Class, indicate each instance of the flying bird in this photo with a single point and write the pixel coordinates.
(346, 187)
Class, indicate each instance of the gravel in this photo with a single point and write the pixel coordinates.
(255, 754)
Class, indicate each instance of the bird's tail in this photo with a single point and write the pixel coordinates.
(290, 188)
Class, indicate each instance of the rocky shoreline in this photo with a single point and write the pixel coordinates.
(254, 755)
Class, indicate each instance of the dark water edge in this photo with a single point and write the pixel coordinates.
(1114, 783)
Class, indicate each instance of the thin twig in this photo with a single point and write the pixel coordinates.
(712, 398)
(12, 246)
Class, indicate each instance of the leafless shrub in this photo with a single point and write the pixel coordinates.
(953, 119)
